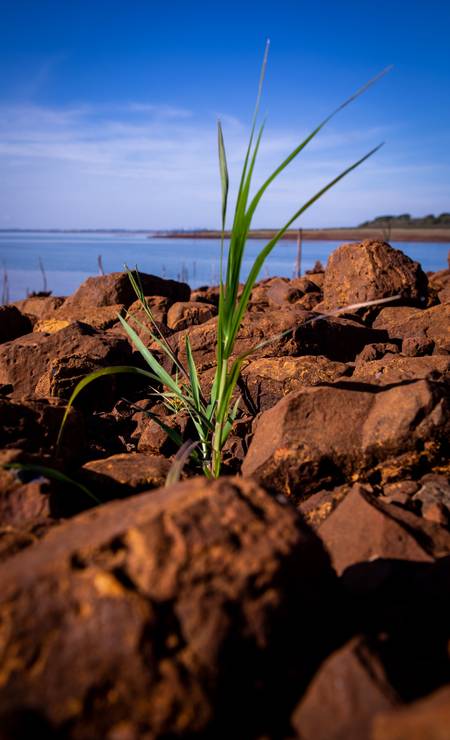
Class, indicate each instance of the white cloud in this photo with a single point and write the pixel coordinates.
(145, 165)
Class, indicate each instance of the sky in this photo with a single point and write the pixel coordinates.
(109, 109)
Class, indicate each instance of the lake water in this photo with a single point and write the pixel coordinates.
(68, 259)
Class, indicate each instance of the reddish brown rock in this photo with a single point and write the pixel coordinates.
(397, 368)
(50, 326)
(206, 294)
(369, 271)
(40, 307)
(278, 291)
(145, 327)
(417, 346)
(350, 688)
(426, 719)
(126, 473)
(310, 301)
(33, 427)
(23, 505)
(318, 507)
(440, 283)
(13, 541)
(52, 364)
(149, 436)
(190, 313)
(339, 339)
(267, 380)
(359, 531)
(292, 333)
(373, 352)
(188, 611)
(203, 338)
(116, 288)
(13, 323)
(433, 498)
(315, 437)
(159, 305)
(432, 324)
(400, 492)
(100, 317)
(432, 537)
(444, 293)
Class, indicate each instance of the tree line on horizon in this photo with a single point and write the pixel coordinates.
(405, 220)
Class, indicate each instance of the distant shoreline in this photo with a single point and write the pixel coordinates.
(340, 234)
(412, 234)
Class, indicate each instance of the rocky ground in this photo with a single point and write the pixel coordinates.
(303, 595)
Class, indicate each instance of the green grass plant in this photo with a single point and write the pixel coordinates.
(180, 389)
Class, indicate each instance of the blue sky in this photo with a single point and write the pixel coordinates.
(108, 108)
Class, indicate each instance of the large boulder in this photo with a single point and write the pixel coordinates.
(52, 364)
(188, 611)
(369, 271)
(318, 437)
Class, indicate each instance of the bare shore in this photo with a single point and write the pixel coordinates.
(338, 235)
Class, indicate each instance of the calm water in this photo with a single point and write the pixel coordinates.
(69, 259)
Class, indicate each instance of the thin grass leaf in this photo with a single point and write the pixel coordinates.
(162, 375)
(223, 173)
(255, 116)
(311, 136)
(52, 474)
(193, 376)
(262, 256)
(181, 458)
(116, 370)
(229, 423)
(157, 336)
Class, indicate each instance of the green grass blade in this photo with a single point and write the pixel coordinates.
(311, 136)
(260, 259)
(255, 116)
(228, 426)
(193, 376)
(181, 458)
(53, 474)
(163, 375)
(224, 184)
(223, 173)
(156, 335)
(118, 369)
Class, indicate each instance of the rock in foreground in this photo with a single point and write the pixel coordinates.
(187, 611)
